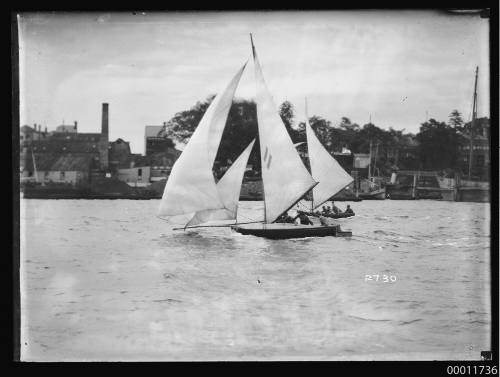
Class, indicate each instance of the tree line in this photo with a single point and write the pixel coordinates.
(435, 147)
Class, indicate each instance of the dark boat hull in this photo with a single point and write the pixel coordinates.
(286, 231)
(346, 199)
(380, 195)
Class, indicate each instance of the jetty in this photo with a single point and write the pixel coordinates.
(416, 184)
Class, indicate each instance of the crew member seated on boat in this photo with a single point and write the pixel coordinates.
(326, 210)
(304, 220)
(285, 218)
(336, 210)
(323, 220)
(349, 210)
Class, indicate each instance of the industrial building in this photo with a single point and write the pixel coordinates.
(64, 155)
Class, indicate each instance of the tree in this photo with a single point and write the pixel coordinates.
(287, 114)
(240, 129)
(346, 124)
(182, 125)
(321, 128)
(455, 119)
(360, 140)
(438, 145)
(346, 134)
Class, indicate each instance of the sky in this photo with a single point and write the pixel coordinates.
(399, 67)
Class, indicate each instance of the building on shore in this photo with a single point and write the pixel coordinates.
(120, 155)
(481, 161)
(154, 141)
(27, 134)
(64, 155)
(136, 176)
(159, 153)
(70, 168)
(63, 128)
(361, 161)
(141, 170)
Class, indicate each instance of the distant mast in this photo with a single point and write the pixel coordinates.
(370, 164)
(34, 165)
(473, 121)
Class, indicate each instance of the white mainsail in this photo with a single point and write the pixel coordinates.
(285, 178)
(325, 169)
(229, 188)
(191, 186)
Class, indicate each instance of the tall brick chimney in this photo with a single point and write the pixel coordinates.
(105, 119)
(76, 126)
(104, 141)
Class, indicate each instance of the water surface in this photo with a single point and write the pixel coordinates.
(107, 280)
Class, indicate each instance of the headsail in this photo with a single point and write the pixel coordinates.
(191, 186)
(229, 188)
(325, 169)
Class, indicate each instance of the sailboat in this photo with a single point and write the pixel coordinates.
(191, 187)
(371, 189)
(331, 177)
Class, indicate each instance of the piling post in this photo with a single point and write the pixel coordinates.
(414, 190)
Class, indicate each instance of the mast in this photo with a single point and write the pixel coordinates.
(375, 159)
(261, 167)
(307, 119)
(370, 164)
(34, 165)
(474, 115)
(285, 177)
(253, 47)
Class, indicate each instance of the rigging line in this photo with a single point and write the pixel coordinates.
(469, 117)
(331, 197)
(298, 200)
(302, 204)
